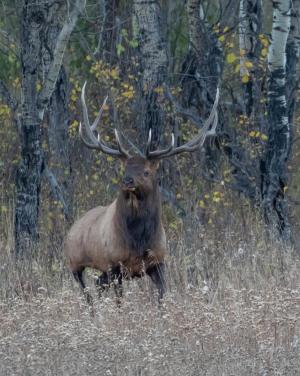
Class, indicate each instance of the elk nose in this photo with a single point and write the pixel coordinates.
(127, 180)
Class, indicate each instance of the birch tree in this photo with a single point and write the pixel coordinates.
(274, 168)
(35, 99)
(153, 59)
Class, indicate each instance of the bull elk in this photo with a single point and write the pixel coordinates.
(126, 239)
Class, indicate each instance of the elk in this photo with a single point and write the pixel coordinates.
(126, 239)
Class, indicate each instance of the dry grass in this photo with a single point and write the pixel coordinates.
(232, 309)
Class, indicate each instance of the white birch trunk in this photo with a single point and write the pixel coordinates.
(279, 142)
(147, 26)
(244, 42)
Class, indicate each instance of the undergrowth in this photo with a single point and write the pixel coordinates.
(232, 308)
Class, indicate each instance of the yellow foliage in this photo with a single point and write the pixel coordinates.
(201, 204)
(222, 38)
(159, 90)
(114, 73)
(231, 58)
(245, 78)
(248, 64)
(264, 137)
(237, 68)
(38, 86)
(128, 94)
(4, 110)
(73, 128)
(264, 52)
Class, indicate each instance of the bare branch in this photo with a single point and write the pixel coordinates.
(60, 47)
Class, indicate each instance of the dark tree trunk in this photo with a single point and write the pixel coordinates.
(110, 31)
(28, 181)
(36, 17)
(60, 163)
(249, 31)
(292, 59)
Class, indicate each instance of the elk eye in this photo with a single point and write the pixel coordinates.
(146, 173)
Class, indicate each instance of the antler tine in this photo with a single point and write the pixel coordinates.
(148, 145)
(160, 153)
(208, 129)
(96, 122)
(92, 141)
(120, 146)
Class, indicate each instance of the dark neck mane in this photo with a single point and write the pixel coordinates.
(138, 220)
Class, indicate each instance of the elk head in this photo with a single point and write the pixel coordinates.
(140, 170)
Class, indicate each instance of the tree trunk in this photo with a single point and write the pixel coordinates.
(28, 181)
(35, 20)
(153, 60)
(58, 138)
(110, 30)
(59, 165)
(292, 58)
(250, 27)
(274, 168)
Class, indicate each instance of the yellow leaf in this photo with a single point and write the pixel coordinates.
(264, 137)
(245, 78)
(201, 204)
(4, 209)
(248, 64)
(264, 52)
(88, 58)
(226, 28)
(237, 68)
(222, 38)
(252, 134)
(128, 94)
(159, 89)
(114, 73)
(231, 58)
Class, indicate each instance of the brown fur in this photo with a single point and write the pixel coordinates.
(127, 233)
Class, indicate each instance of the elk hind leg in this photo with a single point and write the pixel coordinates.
(157, 275)
(102, 283)
(116, 276)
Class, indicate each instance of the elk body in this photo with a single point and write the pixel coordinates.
(126, 239)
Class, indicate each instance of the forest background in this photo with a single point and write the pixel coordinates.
(231, 209)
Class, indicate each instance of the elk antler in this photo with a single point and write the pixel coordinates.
(208, 129)
(92, 141)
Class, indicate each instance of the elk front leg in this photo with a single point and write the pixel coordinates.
(78, 275)
(157, 275)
